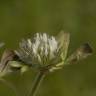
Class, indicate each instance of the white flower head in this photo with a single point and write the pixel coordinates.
(42, 50)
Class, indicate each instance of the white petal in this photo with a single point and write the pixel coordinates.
(45, 37)
(29, 43)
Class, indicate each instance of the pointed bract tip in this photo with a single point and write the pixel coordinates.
(86, 48)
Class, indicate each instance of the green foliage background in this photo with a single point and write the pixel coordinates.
(20, 18)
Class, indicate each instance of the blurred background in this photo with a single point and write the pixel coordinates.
(22, 18)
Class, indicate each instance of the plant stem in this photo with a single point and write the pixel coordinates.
(40, 76)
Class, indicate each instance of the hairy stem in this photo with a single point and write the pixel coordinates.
(40, 76)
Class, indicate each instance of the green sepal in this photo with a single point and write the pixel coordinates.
(63, 39)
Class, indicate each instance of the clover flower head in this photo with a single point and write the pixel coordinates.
(41, 51)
